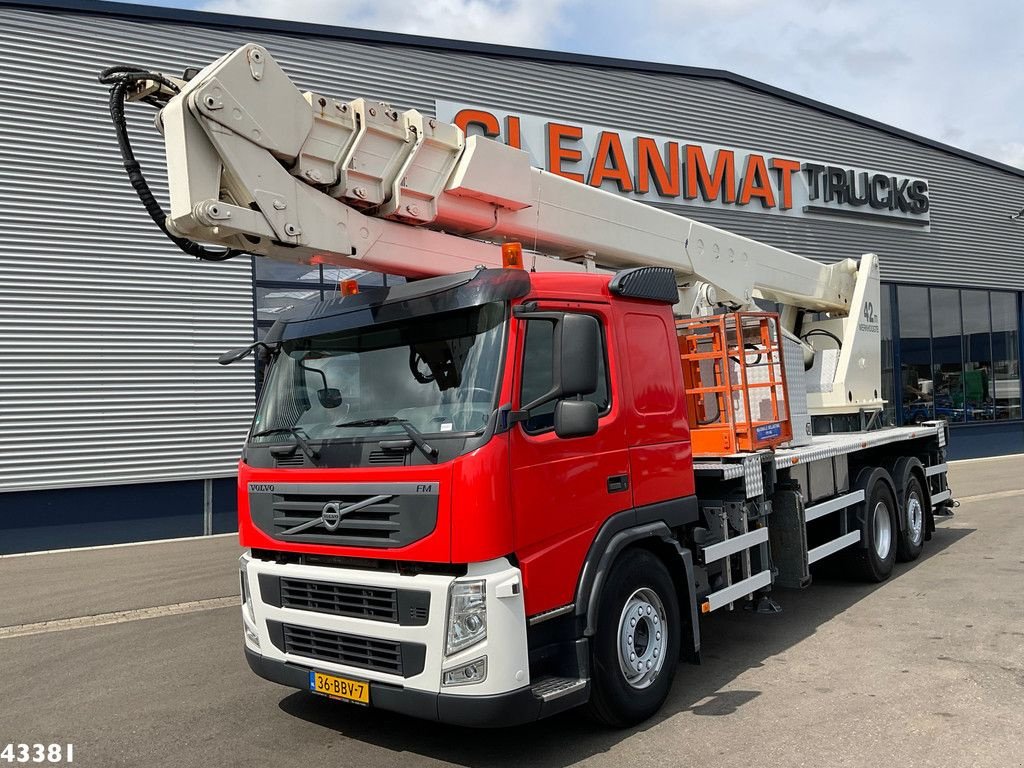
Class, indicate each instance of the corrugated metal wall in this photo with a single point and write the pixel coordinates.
(107, 334)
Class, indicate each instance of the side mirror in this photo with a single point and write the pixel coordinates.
(329, 397)
(578, 350)
(234, 355)
(575, 418)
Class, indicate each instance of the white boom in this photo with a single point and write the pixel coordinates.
(255, 164)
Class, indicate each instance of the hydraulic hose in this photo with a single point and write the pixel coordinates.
(120, 78)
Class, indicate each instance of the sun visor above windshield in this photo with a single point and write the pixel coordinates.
(375, 306)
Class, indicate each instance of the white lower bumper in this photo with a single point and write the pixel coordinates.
(504, 646)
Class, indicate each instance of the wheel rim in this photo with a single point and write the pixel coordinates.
(915, 516)
(643, 638)
(883, 530)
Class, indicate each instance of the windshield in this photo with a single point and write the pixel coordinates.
(437, 374)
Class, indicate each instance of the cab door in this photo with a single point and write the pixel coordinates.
(563, 489)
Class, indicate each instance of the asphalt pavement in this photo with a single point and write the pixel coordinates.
(134, 655)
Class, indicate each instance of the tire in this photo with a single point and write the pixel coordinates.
(880, 530)
(638, 582)
(910, 541)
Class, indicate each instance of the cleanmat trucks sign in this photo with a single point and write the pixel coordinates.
(674, 170)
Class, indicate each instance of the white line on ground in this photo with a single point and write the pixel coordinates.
(992, 495)
(987, 458)
(117, 617)
(117, 546)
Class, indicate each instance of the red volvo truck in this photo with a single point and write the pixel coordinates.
(514, 483)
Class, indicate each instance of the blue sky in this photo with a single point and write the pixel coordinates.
(946, 69)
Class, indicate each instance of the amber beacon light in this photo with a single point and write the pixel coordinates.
(512, 255)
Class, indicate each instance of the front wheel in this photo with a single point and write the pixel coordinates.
(635, 650)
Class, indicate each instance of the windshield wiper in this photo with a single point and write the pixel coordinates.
(414, 434)
(295, 432)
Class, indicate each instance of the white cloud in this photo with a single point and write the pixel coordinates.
(531, 23)
(948, 71)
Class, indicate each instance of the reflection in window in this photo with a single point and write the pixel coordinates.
(915, 354)
(272, 303)
(280, 287)
(1005, 372)
(977, 344)
(959, 353)
(439, 372)
(334, 275)
(270, 270)
(885, 317)
(947, 355)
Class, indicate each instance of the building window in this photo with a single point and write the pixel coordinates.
(915, 354)
(958, 355)
(947, 355)
(977, 343)
(1005, 371)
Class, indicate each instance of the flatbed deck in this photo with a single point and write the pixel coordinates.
(821, 447)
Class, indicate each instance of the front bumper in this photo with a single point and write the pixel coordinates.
(411, 685)
(501, 709)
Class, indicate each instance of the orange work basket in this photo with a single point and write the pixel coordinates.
(735, 382)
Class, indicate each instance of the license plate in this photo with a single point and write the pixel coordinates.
(339, 687)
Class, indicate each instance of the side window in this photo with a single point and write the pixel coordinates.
(538, 364)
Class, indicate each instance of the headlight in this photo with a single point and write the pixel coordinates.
(467, 614)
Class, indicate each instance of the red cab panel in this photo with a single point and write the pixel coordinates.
(658, 431)
(481, 507)
(563, 489)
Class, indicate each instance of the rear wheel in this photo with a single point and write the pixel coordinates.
(635, 650)
(880, 531)
(911, 538)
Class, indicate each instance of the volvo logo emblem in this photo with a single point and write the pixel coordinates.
(331, 515)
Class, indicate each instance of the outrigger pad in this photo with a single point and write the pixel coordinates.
(765, 605)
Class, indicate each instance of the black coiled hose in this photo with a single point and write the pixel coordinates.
(120, 78)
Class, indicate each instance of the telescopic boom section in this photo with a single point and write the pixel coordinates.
(256, 164)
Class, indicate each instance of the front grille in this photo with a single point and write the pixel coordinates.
(296, 459)
(351, 650)
(405, 607)
(375, 603)
(371, 525)
(372, 515)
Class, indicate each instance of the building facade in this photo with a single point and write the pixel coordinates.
(116, 423)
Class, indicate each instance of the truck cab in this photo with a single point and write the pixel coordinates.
(429, 469)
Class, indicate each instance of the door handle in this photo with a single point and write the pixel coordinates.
(618, 483)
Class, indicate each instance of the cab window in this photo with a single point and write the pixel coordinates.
(537, 374)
